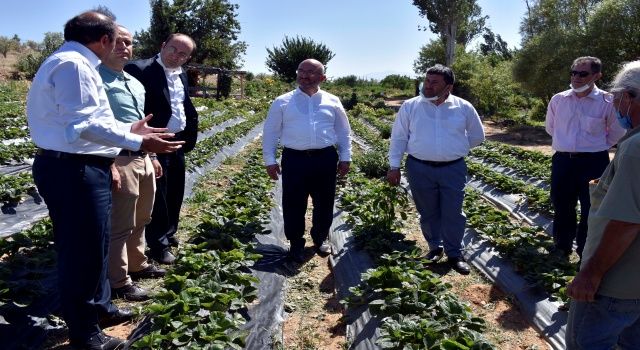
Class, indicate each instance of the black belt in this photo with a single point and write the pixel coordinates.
(580, 154)
(434, 163)
(127, 153)
(309, 152)
(83, 158)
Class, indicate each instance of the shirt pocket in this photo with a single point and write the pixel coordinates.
(454, 122)
(592, 125)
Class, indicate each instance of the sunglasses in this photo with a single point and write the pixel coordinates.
(581, 74)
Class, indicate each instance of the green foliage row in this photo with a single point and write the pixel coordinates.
(495, 153)
(210, 284)
(528, 248)
(13, 188)
(16, 152)
(537, 199)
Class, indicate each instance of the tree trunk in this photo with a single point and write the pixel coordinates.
(450, 51)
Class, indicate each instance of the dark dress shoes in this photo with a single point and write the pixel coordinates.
(174, 242)
(99, 341)
(122, 315)
(435, 255)
(323, 249)
(130, 292)
(297, 253)
(151, 271)
(459, 265)
(163, 257)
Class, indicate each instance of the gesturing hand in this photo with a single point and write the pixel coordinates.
(141, 128)
(156, 143)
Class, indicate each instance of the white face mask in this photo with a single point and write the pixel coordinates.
(430, 99)
(583, 88)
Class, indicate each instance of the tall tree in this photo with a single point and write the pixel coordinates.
(211, 23)
(494, 46)
(284, 60)
(456, 21)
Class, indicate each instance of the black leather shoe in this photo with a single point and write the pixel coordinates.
(459, 265)
(99, 341)
(297, 253)
(151, 271)
(174, 242)
(163, 257)
(435, 255)
(130, 292)
(124, 314)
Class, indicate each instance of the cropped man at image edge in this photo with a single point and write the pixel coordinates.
(309, 123)
(605, 305)
(78, 137)
(133, 177)
(437, 129)
(583, 127)
(167, 98)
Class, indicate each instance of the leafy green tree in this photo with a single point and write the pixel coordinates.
(456, 21)
(284, 60)
(29, 63)
(211, 23)
(7, 44)
(494, 46)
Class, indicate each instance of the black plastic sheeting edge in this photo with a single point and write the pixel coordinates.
(534, 302)
(348, 264)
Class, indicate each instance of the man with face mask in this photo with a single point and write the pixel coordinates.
(437, 130)
(605, 311)
(583, 126)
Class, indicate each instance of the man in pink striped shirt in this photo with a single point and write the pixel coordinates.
(583, 126)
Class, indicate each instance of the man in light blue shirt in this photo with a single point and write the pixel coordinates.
(134, 182)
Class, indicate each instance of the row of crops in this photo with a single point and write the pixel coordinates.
(203, 300)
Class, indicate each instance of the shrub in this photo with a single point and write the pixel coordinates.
(396, 81)
(283, 61)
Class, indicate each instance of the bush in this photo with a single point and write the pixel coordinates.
(396, 81)
(224, 84)
(538, 111)
(372, 163)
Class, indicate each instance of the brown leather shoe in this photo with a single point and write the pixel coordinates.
(151, 271)
(130, 292)
(99, 341)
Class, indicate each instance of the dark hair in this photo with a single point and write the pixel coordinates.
(174, 35)
(444, 71)
(89, 27)
(596, 64)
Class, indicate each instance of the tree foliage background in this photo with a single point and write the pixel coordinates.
(211, 23)
(555, 32)
(284, 60)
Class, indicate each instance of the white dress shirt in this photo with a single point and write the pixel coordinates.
(68, 109)
(435, 133)
(305, 122)
(178, 120)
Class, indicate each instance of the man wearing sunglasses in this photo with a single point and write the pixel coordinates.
(583, 126)
(167, 98)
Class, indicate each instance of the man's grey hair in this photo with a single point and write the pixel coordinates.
(594, 62)
(628, 79)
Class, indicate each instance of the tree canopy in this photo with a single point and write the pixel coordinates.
(455, 21)
(211, 23)
(284, 60)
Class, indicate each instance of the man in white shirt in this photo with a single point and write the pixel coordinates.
(437, 129)
(309, 123)
(78, 138)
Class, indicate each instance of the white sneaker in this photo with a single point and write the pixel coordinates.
(324, 249)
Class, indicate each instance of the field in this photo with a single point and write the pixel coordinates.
(234, 287)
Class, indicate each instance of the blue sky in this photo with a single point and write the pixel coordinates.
(369, 37)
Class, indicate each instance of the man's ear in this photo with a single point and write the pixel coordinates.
(598, 76)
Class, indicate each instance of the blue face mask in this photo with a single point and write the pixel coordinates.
(624, 120)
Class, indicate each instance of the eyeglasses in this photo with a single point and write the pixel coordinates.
(174, 51)
(307, 72)
(581, 74)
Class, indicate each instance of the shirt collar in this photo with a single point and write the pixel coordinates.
(299, 91)
(84, 51)
(113, 73)
(594, 94)
(170, 71)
